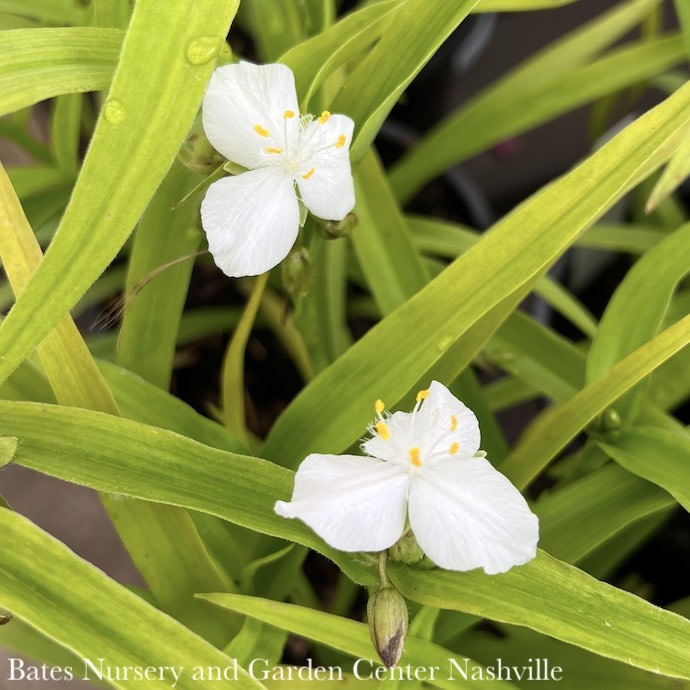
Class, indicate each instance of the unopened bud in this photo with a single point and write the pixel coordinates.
(608, 425)
(335, 229)
(198, 155)
(387, 613)
(406, 549)
(297, 272)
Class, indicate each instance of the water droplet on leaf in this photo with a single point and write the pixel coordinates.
(202, 50)
(114, 111)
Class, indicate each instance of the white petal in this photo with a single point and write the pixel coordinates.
(465, 515)
(328, 192)
(352, 503)
(241, 97)
(400, 439)
(251, 221)
(441, 410)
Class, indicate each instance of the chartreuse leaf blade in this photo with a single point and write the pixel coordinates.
(49, 11)
(159, 268)
(545, 595)
(36, 64)
(505, 262)
(657, 455)
(566, 603)
(353, 638)
(70, 369)
(556, 79)
(630, 321)
(316, 58)
(520, 5)
(157, 465)
(593, 509)
(674, 175)
(555, 428)
(137, 135)
(94, 616)
(371, 91)
(8, 447)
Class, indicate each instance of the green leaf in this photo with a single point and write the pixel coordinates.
(578, 518)
(314, 60)
(555, 80)
(555, 428)
(504, 264)
(352, 638)
(630, 321)
(139, 130)
(675, 173)
(52, 11)
(160, 265)
(94, 616)
(557, 599)
(36, 64)
(8, 447)
(371, 91)
(658, 456)
(520, 5)
(393, 269)
(157, 465)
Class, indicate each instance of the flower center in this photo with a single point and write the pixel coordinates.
(298, 155)
(436, 444)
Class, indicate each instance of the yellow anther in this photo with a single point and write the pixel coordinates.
(288, 114)
(307, 175)
(272, 150)
(414, 456)
(341, 141)
(422, 395)
(454, 448)
(261, 131)
(453, 422)
(382, 430)
(323, 119)
(379, 406)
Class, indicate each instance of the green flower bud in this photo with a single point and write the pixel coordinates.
(198, 155)
(406, 549)
(297, 272)
(608, 425)
(335, 229)
(387, 613)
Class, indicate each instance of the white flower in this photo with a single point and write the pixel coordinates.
(424, 466)
(250, 115)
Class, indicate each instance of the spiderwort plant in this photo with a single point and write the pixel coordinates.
(423, 468)
(251, 116)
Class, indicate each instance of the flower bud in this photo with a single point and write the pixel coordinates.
(387, 613)
(335, 229)
(406, 549)
(198, 155)
(297, 272)
(608, 425)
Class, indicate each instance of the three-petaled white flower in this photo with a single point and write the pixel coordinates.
(423, 467)
(250, 116)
